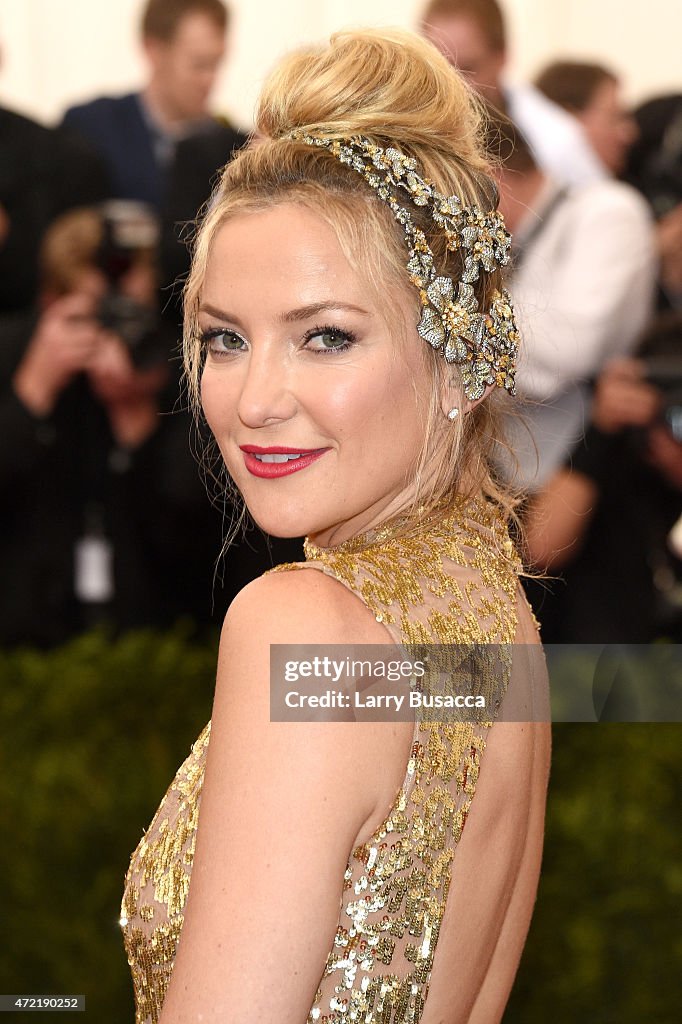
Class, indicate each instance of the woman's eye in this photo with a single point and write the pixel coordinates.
(329, 339)
(219, 341)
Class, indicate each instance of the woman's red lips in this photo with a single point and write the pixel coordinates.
(269, 468)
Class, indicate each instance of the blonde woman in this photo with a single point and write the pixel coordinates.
(349, 340)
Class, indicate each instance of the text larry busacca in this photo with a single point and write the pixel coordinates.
(392, 671)
(394, 701)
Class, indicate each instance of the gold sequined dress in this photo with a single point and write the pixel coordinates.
(453, 582)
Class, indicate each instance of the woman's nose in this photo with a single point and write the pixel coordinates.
(266, 395)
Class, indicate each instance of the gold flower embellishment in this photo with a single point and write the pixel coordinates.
(483, 346)
(448, 322)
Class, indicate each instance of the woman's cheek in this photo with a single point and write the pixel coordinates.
(212, 400)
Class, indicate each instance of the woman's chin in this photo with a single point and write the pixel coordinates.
(280, 526)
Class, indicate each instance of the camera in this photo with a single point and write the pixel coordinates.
(130, 234)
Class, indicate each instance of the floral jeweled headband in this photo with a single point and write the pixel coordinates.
(483, 345)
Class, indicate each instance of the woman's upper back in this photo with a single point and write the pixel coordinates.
(454, 582)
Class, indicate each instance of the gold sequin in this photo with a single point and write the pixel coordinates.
(452, 583)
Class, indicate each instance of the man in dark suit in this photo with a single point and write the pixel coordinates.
(43, 173)
(196, 171)
(137, 134)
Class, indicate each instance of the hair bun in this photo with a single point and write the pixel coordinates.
(391, 85)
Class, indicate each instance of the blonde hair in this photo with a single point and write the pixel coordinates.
(396, 89)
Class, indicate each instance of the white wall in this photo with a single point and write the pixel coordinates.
(640, 39)
(59, 51)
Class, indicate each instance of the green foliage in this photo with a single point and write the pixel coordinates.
(92, 736)
(605, 943)
(94, 732)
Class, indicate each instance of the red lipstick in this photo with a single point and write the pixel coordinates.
(269, 469)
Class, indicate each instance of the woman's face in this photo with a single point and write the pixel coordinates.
(299, 362)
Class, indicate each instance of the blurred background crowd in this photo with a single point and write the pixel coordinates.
(106, 516)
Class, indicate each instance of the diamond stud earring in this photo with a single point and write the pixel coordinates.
(453, 414)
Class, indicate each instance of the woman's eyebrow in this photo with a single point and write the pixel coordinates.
(219, 314)
(315, 308)
(292, 315)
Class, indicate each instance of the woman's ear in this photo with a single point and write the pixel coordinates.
(451, 396)
(469, 404)
(453, 401)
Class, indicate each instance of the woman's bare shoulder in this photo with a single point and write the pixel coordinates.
(301, 606)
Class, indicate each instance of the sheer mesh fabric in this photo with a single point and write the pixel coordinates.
(454, 582)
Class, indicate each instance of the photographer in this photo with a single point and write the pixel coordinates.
(79, 402)
(607, 519)
(97, 311)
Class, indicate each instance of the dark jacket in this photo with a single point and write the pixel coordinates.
(117, 130)
(198, 164)
(43, 173)
(125, 138)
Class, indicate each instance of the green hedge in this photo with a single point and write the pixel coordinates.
(606, 940)
(93, 733)
(92, 736)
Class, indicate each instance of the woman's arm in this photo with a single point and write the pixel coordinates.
(282, 807)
